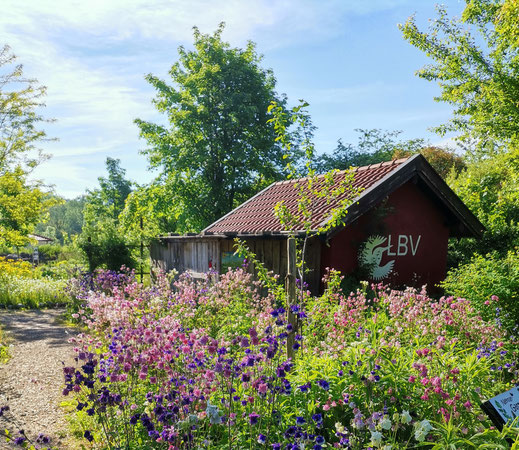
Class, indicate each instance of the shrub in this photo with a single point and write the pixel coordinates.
(490, 188)
(492, 285)
(49, 252)
(106, 249)
(15, 268)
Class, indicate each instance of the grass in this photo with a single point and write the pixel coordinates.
(4, 348)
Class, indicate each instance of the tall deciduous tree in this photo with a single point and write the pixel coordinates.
(101, 239)
(218, 148)
(22, 202)
(476, 64)
(20, 122)
(107, 202)
(21, 207)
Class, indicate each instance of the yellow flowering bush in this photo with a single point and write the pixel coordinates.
(15, 268)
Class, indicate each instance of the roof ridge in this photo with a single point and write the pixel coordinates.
(393, 162)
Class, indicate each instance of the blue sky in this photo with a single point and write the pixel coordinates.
(346, 58)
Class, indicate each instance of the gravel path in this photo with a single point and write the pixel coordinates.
(31, 381)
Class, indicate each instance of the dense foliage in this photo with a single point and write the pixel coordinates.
(476, 65)
(490, 188)
(204, 366)
(64, 221)
(22, 201)
(490, 282)
(218, 148)
(102, 240)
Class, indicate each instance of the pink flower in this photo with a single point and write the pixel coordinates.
(411, 379)
(262, 388)
(436, 381)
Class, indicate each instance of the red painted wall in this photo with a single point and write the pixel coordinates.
(416, 239)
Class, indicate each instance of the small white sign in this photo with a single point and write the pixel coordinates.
(507, 404)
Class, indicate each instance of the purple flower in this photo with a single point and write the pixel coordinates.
(262, 439)
(317, 418)
(304, 387)
(88, 436)
(253, 418)
(324, 384)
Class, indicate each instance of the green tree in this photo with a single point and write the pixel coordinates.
(20, 98)
(374, 146)
(490, 188)
(107, 202)
(218, 148)
(443, 160)
(101, 240)
(21, 206)
(476, 64)
(22, 202)
(64, 220)
(155, 203)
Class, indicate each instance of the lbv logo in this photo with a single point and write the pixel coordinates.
(375, 248)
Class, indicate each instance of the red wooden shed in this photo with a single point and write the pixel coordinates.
(396, 230)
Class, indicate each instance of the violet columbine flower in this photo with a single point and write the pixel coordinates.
(253, 418)
(324, 384)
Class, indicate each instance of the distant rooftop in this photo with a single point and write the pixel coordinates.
(41, 239)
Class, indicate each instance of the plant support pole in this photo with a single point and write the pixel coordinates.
(142, 249)
(290, 286)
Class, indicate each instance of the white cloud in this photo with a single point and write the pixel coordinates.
(92, 56)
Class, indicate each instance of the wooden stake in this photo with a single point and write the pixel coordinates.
(290, 286)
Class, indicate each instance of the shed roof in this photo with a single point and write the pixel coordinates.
(40, 238)
(377, 181)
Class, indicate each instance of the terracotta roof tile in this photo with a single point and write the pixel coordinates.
(256, 215)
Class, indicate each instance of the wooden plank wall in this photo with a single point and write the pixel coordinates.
(273, 254)
(193, 255)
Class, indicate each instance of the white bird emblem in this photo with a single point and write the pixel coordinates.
(371, 256)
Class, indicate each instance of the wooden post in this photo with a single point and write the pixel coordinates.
(291, 294)
(142, 249)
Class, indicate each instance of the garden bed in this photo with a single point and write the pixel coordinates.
(204, 365)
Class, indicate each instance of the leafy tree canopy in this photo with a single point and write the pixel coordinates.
(21, 207)
(374, 146)
(158, 207)
(65, 219)
(476, 64)
(218, 148)
(20, 98)
(22, 202)
(490, 188)
(107, 202)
